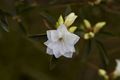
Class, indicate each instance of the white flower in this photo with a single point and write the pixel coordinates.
(61, 42)
(117, 69)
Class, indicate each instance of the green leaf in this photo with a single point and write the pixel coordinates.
(38, 36)
(87, 51)
(48, 17)
(5, 13)
(103, 54)
(22, 27)
(107, 33)
(53, 62)
(4, 23)
(23, 6)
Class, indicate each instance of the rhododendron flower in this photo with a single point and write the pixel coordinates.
(61, 42)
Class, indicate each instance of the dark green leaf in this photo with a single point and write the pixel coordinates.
(4, 23)
(5, 13)
(22, 27)
(107, 33)
(23, 6)
(87, 51)
(53, 62)
(103, 53)
(38, 36)
(48, 17)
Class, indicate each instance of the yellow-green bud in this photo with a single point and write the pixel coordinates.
(60, 21)
(87, 24)
(103, 73)
(72, 29)
(70, 19)
(98, 26)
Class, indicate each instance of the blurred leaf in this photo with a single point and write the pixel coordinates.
(87, 51)
(107, 33)
(23, 6)
(103, 54)
(38, 36)
(48, 17)
(5, 13)
(53, 62)
(22, 27)
(4, 23)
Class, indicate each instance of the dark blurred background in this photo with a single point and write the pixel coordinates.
(24, 58)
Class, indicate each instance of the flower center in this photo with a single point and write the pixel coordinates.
(61, 39)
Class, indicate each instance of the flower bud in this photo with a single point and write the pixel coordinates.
(72, 29)
(103, 73)
(87, 24)
(60, 21)
(89, 35)
(70, 19)
(86, 36)
(98, 26)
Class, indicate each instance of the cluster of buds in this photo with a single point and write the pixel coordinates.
(68, 21)
(94, 2)
(89, 31)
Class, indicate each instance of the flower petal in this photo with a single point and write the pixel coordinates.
(62, 29)
(52, 35)
(49, 51)
(53, 48)
(71, 38)
(117, 70)
(68, 54)
(57, 53)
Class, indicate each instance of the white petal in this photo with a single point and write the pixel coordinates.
(47, 42)
(62, 29)
(117, 70)
(49, 51)
(56, 53)
(52, 35)
(68, 54)
(71, 38)
(68, 48)
(53, 48)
